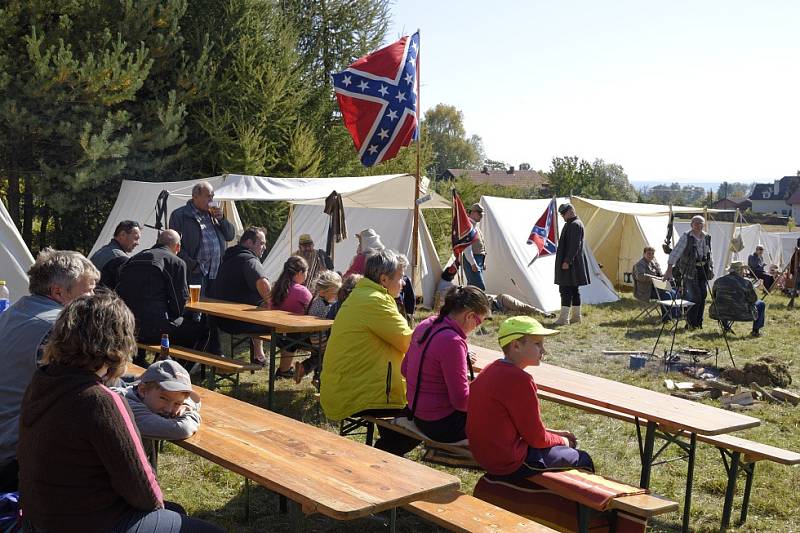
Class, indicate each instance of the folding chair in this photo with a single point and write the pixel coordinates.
(677, 308)
(647, 306)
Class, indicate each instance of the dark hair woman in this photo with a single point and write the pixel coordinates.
(436, 365)
(289, 294)
(81, 461)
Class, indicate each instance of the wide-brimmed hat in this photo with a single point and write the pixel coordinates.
(169, 375)
(518, 326)
(736, 266)
(476, 207)
(305, 238)
(370, 240)
(563, 208)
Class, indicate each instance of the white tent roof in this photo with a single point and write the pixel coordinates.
(392, 191)
(137, 201)
(506, 226)
(15, 257)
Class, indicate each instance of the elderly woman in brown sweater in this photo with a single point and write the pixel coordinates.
(82, 466)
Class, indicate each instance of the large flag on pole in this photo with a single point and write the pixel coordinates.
(464, 232)
(545, 232)
(377, 96)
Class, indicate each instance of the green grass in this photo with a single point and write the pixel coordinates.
(211, 492)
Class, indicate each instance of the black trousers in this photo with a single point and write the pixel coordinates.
(451, 428)
(570, 295)
(391, 441)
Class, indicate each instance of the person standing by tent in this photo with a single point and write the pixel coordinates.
(475, 262)
(368, 242)
(204, 232)
(692, 257)
(318, 260)
(572, 268)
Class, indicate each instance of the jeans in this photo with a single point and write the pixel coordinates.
(761, 307)
(555, 458)
(696, 291)
(163, 521)
(475, 278)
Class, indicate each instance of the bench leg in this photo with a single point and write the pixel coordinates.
(296, 518)
(271, 388)
(687, 502)
(584, 513)
(370, 433)
(393, 520)
(733, 470)
(748, 485)
(646, 453)
(246, 500)
(211, 382)
(282, 504)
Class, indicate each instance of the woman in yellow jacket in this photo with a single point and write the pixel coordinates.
(361, 369)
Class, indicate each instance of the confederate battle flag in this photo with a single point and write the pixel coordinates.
(463, 233)
(545, 232)
(377, 96)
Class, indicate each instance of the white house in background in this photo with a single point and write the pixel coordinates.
(774, 197)
(794, 203)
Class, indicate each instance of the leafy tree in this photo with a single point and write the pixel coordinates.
(451, 148)
(493, 164)
(607, 181)
(612, 182)
(736, 190)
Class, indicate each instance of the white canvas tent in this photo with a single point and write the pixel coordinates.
(15, 258)
(137, 201)
(506, 226)
(385, 203)
(618, 232)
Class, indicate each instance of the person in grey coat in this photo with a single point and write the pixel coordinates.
(572, 268)
(204, 232)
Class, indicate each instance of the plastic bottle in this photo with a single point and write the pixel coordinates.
(164, 347)
(5, 296)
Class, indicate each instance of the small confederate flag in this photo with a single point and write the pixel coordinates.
(545, 232)
(463, 232)
(377, 96)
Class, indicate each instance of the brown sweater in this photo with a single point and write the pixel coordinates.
(81, 461)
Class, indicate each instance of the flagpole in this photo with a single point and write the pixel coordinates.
(415, 225)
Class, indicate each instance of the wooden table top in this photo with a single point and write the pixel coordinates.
(323, 472)
(280, 321)
(668, 411)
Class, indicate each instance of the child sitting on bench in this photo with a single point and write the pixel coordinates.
(326, 289)
(506, 433)
(163, 404)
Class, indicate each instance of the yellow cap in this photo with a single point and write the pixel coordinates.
(518, 326)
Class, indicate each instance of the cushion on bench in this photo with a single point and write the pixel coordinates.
(592, 490)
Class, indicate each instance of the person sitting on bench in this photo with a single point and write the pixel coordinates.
(506, 433)
(734, 299)
(436, 365)
(289, 294)
(326, 289)
(163, 403)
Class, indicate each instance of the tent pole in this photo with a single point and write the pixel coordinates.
(291, 227)
(415, 224)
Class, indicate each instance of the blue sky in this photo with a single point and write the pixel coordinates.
(672, 91)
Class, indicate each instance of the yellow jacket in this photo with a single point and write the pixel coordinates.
(368, 341)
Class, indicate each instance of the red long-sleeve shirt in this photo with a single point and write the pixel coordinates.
(503, 418)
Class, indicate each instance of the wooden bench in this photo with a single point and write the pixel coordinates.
(220, 368)
(643, 506)
(456, 511)
(736, 452)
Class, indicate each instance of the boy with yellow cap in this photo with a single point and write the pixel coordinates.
(505, 430)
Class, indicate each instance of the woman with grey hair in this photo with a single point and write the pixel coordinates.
(82, 466)
(361, 370)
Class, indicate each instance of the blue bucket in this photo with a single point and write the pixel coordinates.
(637, 362)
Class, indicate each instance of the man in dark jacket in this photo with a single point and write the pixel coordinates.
(242, 279)
(204, 232)
(572, 268)
(153, 285)
(733, 298)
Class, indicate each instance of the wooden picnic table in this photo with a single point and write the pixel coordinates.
(666, 415)
(319, 471)
(279, 323)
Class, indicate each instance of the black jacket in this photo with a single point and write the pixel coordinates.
(153, 285)
(237, 276)
(570, 250)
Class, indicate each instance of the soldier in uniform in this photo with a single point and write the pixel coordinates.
(733, 298)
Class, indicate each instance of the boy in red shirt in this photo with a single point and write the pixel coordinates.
(504, 427)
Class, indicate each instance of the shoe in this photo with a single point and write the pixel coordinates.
(299, 372)
(563, 318)
(284, 374)
(262, 361)
(755, 333)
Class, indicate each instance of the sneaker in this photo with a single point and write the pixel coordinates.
(284, 374)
